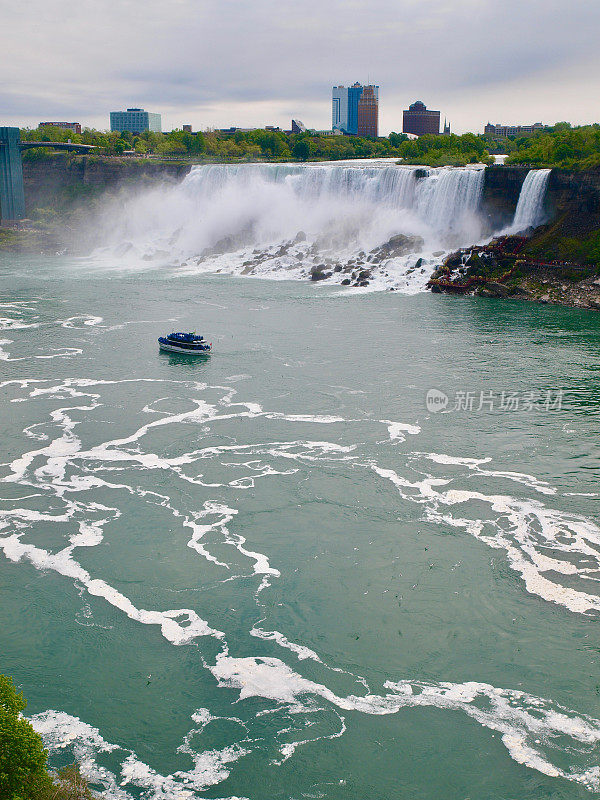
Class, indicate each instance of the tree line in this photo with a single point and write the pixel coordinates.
(267, 145)
(562, 146)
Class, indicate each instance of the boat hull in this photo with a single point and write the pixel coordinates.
(173, 348)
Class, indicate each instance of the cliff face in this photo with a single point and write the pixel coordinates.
(59, 180)
(501, 189)
(575, 193)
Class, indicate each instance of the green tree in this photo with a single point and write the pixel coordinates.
(198, 144)
(397, 138)
(301, 150)
(22, 755)
(171, 148)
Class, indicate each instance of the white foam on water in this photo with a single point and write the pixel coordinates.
(299, 650)
(225, 515)
(288, 749)
(321, 419)
(537, 540)
(81, 321)
(61, 352)
(10, 324)
(25, 318)
(532, 728)
(475, 465)
(63, 732)
(178, 626)
(399, 430)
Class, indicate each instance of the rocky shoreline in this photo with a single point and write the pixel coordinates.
(503, 269)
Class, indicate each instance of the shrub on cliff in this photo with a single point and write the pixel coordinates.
(23, 773)
(22, 756)
(585, 251)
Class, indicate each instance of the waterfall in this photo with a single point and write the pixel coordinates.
(449, 198)
(530, 208)
(390, 185)
(442, 200)
(286, 220)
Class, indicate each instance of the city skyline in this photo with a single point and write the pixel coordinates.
(355, 109)
(79, 62)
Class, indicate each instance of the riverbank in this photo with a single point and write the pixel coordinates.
(506, 268)
(558, 262)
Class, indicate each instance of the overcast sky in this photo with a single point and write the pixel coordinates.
(215, 63)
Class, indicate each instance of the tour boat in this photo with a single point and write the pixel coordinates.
(187, 343)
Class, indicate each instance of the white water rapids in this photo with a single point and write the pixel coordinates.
(282, 221)
(353, 223)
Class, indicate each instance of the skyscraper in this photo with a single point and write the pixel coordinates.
(345, 109)
(419, 120)
(339, 108)
(368, 108)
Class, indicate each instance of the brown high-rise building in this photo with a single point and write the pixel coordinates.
(368, 112)
(419, 120)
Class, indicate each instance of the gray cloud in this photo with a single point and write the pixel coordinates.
(248, 62)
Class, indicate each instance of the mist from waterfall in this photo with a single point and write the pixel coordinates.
(530, 207)
(287, 220)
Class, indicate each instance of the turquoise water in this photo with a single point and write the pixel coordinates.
(274, 573)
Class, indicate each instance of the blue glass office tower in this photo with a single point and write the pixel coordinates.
(354, 95)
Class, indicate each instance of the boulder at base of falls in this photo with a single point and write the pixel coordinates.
(400, 245)
(319, 273)
(346, 282)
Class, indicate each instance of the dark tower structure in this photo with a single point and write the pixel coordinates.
(12, 195)
(419, 120)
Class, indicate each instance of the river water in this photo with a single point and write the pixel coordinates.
(353, 553)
